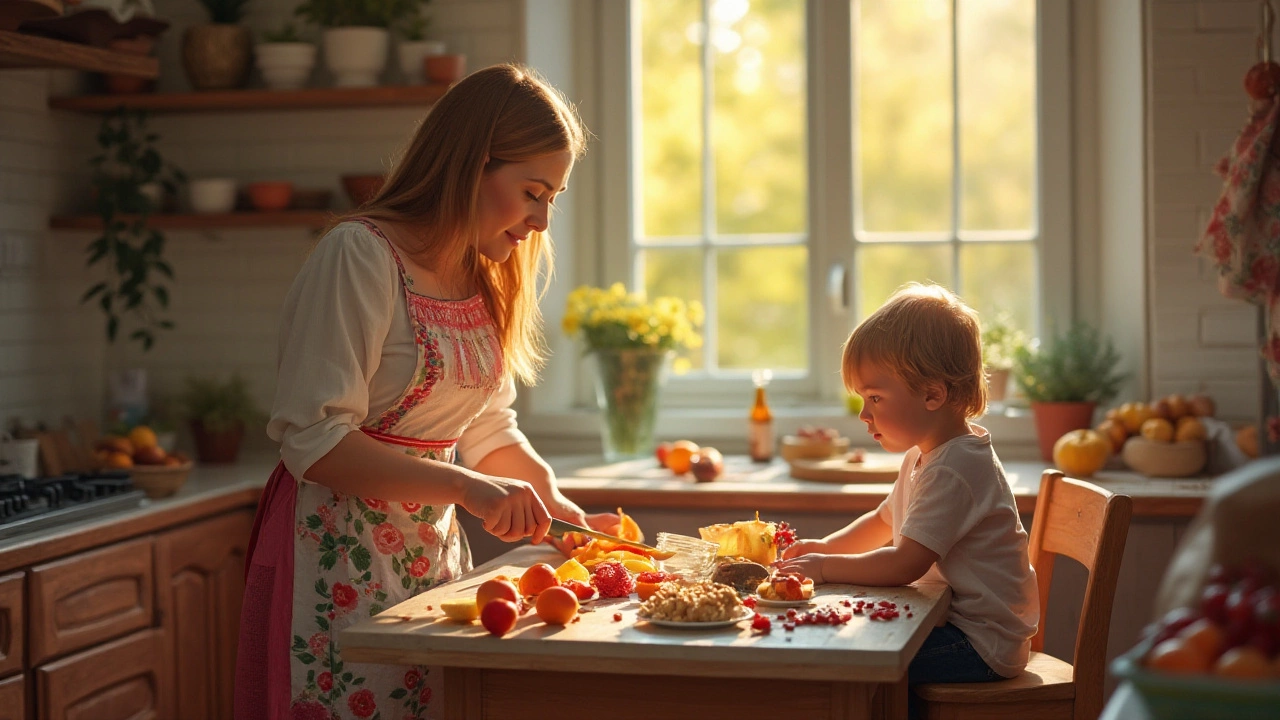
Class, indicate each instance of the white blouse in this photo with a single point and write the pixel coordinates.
(347, 353)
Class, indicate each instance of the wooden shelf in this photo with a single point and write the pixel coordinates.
(251, 100)
(32, 51)
(314, 219)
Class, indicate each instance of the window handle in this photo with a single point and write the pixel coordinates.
(837, 288)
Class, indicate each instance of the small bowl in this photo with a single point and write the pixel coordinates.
(1195, 697)
(798, 448)
(362, 188)
(270, 195)
(159, 481)
(212, 195)
(1164, 459)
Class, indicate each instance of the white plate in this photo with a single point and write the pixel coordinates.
(746, 614)
(766, 602)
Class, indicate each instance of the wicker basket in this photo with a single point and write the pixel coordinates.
(159, 481)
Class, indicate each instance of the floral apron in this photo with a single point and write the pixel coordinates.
(355, 557)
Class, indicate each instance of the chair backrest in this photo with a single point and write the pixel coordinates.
(1089, 525)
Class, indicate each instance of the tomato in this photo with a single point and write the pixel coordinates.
(1213, 603)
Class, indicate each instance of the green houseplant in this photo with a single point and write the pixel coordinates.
(218, 413)
(127, 176)
(1066, 379)
(1000, 341)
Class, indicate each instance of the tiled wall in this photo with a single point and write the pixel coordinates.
(229, 284)
(1199, 52)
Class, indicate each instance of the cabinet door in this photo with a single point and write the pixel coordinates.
(123, 679)
(200, 574)
(13, 698)
(12, 620)
(90, 597)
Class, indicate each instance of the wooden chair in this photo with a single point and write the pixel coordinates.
(1088, 524)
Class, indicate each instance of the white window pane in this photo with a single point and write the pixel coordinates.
(997, 75)
(903, 115)
(758, 121)
(762, 308)
(670, 77)
(677, 273)
(1000, 276)
(885, 267)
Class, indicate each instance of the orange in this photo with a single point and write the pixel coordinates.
(496, 589)
(1157, 429)
(1190, 428)
(680, 459)
(118, 460)
(628, 529)
(647, 583)
(1175, 655)
(557, 606)
(142, 437)
(1133, 414)
(1114, 431)
(1205, 637)
(1244, 662)
(538, 578)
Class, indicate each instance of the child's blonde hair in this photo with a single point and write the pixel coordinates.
(924, 334)
(505, 114)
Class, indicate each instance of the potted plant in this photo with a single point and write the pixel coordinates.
(414, 48)
(132, 254)
(1000, 340)
(218, 413)
(285, 58)
(1066, 380)
(355, 35)
(216, 55)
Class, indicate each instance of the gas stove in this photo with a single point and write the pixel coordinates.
(42, 503)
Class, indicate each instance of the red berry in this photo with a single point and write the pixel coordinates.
(761, 623)
(617, 617)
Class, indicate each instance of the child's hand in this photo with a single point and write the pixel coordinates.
(809, 565)
(804, 547)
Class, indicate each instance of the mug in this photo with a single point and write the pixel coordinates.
(19, 456)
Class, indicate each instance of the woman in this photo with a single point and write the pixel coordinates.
(400, 342)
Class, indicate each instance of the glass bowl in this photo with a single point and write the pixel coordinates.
(694, 559)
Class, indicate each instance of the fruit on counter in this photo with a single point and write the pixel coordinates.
(707, 464)
(151, 455)
(853, 403)
(498, 588)
(1081, 453)
(647, 583)
(661, 451)
(1190, 428)
(583, 590)
(1133, 414)
(1202, 405)
(786, 586)
(139, 446)
(537, 578)
(680, 457)
(753, 540)
(571, 569)
(1114, 431)
(499, 616)
(1247, 440)
(143, 437)
(557, 606)
(1157, 429)
(463, 609)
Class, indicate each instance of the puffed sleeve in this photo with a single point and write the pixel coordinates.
(334, 323)
(493, 428)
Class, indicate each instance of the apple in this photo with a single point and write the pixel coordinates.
(661, 453)
(498, 588)
(149, 456)
(853, 401)
(499, 616)
(707, 464)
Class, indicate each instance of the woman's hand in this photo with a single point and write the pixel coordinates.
(510, 509)
(809, 565)
(803, 547)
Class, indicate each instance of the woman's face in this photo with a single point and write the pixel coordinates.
(516, 199)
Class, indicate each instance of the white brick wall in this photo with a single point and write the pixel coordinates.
(1199, 51)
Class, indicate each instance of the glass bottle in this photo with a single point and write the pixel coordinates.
(760, 431)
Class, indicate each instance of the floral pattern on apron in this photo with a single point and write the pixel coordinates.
(354, 557)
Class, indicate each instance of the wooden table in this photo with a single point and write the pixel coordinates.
(620, 670)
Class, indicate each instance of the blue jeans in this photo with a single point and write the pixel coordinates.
(946, 657)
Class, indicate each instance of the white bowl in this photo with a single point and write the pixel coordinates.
(212, 195)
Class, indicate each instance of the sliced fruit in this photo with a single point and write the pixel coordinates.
(638, 565)
(571, 569)
(461, 609)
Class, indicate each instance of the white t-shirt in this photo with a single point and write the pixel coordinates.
(956, 502)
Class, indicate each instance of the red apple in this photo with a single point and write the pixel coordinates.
(661, 453)
(499, 616)
(707, 464)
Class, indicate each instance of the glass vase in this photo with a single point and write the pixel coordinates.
(628, 383)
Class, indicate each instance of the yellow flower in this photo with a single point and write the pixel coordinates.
(614, 318)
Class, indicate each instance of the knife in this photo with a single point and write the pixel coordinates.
(559, 528)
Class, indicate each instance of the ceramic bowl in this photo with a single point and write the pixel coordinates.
(212, 195)
(1164, 459)
(270, 195)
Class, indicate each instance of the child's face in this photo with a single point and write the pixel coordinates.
(897, 417)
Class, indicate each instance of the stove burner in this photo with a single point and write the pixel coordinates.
(27, 505)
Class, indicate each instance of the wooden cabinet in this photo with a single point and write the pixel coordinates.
(125, 678)
(13, 698)
(88, 598)
(200, 581)
(13, 620)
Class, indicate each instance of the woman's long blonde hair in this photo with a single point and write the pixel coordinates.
(506, 113)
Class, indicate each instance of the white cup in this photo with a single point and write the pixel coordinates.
(213, 195)
(19, 456)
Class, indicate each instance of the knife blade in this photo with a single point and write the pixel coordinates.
(560, 527)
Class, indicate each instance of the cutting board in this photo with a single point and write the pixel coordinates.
(875, 469)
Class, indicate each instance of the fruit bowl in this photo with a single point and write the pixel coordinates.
(1196, 697)
(1164, 459)
(159, 481)
(811, 448)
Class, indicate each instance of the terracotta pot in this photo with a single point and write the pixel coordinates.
(997, 384)
(1055, 419)
(216, 57)
(270, 195)
(129, 84)
(444, 69)
(216, 447)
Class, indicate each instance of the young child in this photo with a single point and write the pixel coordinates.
(950, 517)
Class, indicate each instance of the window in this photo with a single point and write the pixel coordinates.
(791, 163)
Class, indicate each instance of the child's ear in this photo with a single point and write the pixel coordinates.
(935, 395)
